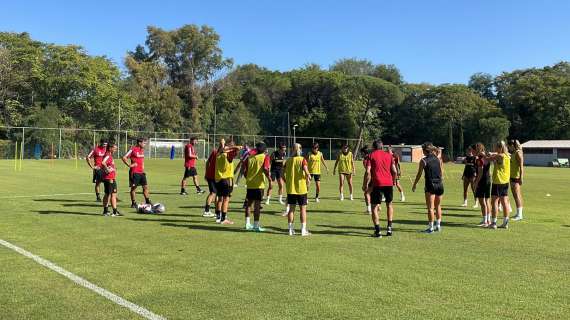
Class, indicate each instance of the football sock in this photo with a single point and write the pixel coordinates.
(256, 224)
(291, 227)
(207, 208)
(495, 220)
(105, 209)
(147, 200)
(182, 190)
(114, 210)
(224, 214)
(133, 202)
(390, 224)
(247, 220)
(316, 195)
(218, 214)
(438, 222)
(198, 188)
(98, 195)
(377, 228)
(303, 226)
(430, 225)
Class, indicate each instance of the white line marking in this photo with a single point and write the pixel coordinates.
(82, 282)
(47, 195)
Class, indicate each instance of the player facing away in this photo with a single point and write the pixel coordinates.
(469, 174)
(210, 177)
(256, 169)
(432, 165)
(380, 175)
(277, 162)
(500, 186)
(137, 175)
(517, 173)
(224, 179)
(110, 181)
(97, 155)
(190, 158)
(345, 164)
(314, 160)
(297, 178)
(483, 184)
(364, 152)
(398, 175)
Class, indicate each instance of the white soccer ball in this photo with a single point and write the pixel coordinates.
(158, 208)
(144, 208)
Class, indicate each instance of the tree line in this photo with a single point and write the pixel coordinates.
(180, 81)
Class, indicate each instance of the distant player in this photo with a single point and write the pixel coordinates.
(398, 175)
(483, 184)
(364, 152)
(97, 154)
(517, 173)
(297, 179)
(225, 178)
(432, 165)
(110, 181)
(277, 162)
(345, 164)
(380, 175)
(314, 160)
(500, 186)
(210, 177)
(243, 154)
(137, 175)
(256, 170)
(190, 158)
(469, 174)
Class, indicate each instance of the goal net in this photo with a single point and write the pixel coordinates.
(164, 148)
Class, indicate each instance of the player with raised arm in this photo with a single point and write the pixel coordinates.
(256, 170)
(210, 177)
(297, 178)
(137, 175)
(433, 167)
(380, 175)
(277, 162)
(345, 164)
(314, 160)
(110, 181)
(225, 178)
(190, 158)
(97, 154)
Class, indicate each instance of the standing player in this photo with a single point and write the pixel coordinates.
(433, 168)
(500, 187)
(277, 162)
(398, 175)
(483, 184)
(137, 175)
(380, 174)
(297, 179)
(366, 188)
(243, 154)
(517, 173)
(190, 158)
(97, 154)
(224, 176)
(469, 174)
(345, 163)
(256, 170)
(314, 160)
(110, 182)
(210, 177)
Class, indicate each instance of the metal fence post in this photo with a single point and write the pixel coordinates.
(59, 146)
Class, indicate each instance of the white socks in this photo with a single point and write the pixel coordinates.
(256, 224)
(247, 220)
(520, 212)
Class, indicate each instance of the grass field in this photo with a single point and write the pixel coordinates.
(182, 266)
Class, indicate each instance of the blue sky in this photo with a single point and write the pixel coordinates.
(435, 41)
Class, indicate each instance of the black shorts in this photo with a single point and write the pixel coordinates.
(224, 187)
(212, 185)
(190, 172)
(378, 192)
(276, 174)
(97, 175)
(434, 187)
(500, 190)
(110, 186)
(137, 179)
(297, 199)
(316, 177)
(483, 190)
(254, 194)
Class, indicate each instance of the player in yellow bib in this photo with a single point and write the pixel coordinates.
(224, 178)
(345, 164)
(517, 173)
(256, 169)
(297, 179)
(314, 160)
(500, 183)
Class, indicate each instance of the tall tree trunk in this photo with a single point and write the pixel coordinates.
(461, 139)
(360, 132)
(450, 141)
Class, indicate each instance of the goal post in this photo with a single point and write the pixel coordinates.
(159, 148)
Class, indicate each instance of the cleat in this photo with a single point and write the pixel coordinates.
(341, 197)
(208, 214)
(428, 231)
(351, 198)
(389, 232)
(376, 235)
(317, 200)
(281, 202)
(305, 233)
(517, 218)
(437, 229)
(259, 229)
(476, 205)
(403, 199)
(505, 225)
(493, 226)
(248, 227)
(200, 191)
(183, 193)
(134, 205)
(117, 214)
(105, 214)
(267, 201)
(291, 232)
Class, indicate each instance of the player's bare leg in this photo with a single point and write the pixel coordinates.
(350, 188)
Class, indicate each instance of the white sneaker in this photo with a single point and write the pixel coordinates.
(517, 218)
(476, 205)
(464, 204)
(305, 233)
(291, 232)
(351, 198)
(317, 200)
(281, 202)
(342, 197)
(403, 198)
(267, 201)
(208, 214)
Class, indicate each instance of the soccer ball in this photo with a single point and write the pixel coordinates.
(158, 208)
(144, 208)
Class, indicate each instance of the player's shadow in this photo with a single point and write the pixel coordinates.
(68, 212)
(192, 207)
(448, 214)
(311, 209)
(344, 232)
(205, 227)
(93, 205)
(157, 220)
(444, 223)
(61, 200)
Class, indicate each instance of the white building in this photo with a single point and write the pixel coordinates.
(543, 152)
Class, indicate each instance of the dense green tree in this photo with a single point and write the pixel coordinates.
(353, 67)
(483, 83)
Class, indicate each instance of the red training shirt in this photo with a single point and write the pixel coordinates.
(137, 156)
(188, 153)
(111, 172)
(97, 154)
(211, 169)
(380, 164)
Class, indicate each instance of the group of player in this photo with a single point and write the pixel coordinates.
(294, 174)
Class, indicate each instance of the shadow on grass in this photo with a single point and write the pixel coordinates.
(92, 205)
(443, 223)
(324, 232)
(446, 214)
(68, 212)
(213, 227)
(61, 200)
(157, 220)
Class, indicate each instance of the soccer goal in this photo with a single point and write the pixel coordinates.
(163, 148)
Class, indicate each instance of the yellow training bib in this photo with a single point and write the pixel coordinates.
(296, 181)
(314, 162)
(255, 177)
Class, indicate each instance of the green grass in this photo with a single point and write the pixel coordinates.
(183, 266)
